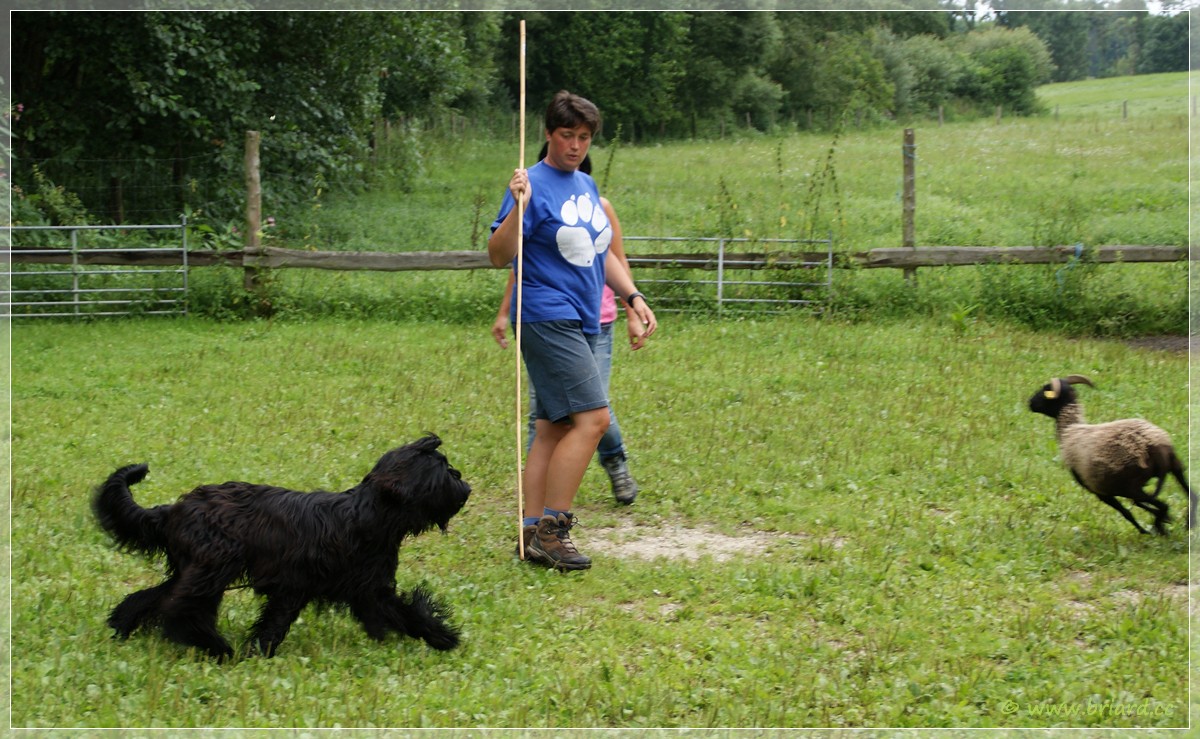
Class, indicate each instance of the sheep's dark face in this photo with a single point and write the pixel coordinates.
(1049, 402)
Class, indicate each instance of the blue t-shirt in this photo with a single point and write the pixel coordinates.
(567, 234)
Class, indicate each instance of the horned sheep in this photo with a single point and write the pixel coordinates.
(1115, 459)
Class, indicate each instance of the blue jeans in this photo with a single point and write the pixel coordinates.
(612, 445)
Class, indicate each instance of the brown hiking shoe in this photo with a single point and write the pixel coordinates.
(551, 544)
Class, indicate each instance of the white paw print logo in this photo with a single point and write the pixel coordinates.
(575, 240)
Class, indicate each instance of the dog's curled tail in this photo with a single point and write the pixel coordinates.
(132, 526)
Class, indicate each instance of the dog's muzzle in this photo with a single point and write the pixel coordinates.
(464, 491)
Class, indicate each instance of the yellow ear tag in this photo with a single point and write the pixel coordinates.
(1050, 394)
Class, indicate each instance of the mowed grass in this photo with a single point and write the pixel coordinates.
(921, 559)
(1166, 94)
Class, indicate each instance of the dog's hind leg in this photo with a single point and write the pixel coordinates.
(137, 608)
(275, 620)
(421, 617)
(190, 613)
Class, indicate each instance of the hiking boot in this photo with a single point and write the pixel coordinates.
(624, 487)
(551, 544)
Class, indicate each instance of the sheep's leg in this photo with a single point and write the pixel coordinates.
(1157, 508)
(1164, 459)
(1158, 486)
(1124, 512)
(1177, 472)
(1110, 501)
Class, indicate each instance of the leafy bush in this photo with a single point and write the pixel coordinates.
(48, 205)
(935, 70)
(756, 100)
(1004, 67)
(849, 78)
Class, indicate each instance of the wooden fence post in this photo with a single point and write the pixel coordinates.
(909, 199)
(250, 275)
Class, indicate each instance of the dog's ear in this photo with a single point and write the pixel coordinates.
(427, 443)
(399, 468)
(418, 479)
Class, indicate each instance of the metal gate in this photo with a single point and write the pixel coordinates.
(683, 281)
(57, 276)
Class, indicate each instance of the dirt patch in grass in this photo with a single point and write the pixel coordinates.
(677, 542)
(1177, 344)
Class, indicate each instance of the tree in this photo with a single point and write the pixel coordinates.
(598, 55)
(1166, 44)
(124, 89)
(725, 52)
(1065, 35)
(140, 91)
(793, 62)
(433, 61)
(1101, 39)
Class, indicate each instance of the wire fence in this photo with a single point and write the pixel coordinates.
(130, 190)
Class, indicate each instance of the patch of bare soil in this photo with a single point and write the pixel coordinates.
(1177, 344)
(677, 542)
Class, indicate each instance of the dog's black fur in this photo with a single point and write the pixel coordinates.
(289, 546)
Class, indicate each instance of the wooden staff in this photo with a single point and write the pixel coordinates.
(520, 280)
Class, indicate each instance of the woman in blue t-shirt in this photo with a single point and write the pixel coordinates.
(566, 263)
(611, 451)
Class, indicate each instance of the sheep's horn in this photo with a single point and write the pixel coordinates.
(1076, 379)
(1055, 388)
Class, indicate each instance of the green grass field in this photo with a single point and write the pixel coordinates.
(846, 521)
(1147, 94)
(1113, 180)
(881, 533)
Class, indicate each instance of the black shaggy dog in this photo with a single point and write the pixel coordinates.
(289, 546)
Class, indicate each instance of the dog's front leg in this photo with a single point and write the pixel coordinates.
(275, 620)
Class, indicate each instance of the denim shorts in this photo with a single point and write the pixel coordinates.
(558, 357)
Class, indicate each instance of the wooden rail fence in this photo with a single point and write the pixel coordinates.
(899, 258)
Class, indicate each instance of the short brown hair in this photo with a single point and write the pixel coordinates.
(568, 110)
